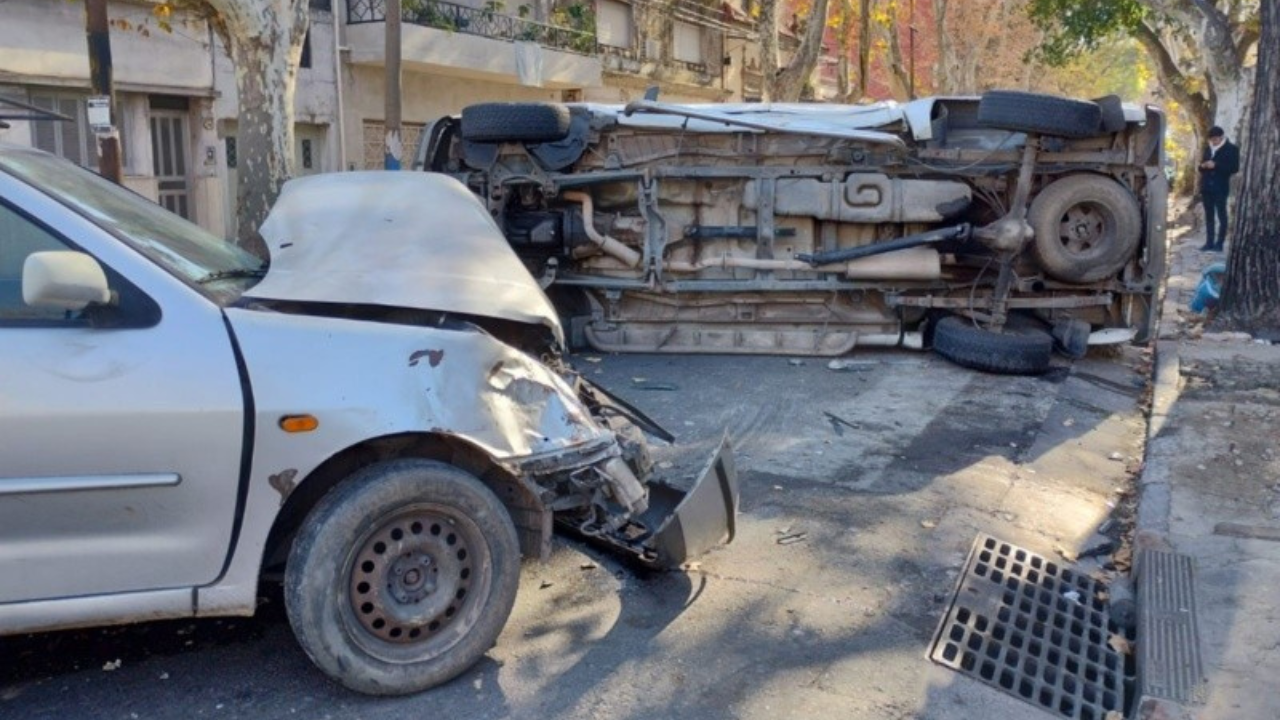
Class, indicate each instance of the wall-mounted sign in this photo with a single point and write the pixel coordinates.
(100, 113)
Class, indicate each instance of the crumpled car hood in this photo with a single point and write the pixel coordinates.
(396, 239)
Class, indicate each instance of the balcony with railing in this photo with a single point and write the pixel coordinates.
(437, 34)
(634, 61)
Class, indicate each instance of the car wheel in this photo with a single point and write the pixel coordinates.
(1086, 227)
(515, 122)
(402, 576)
(1035, 113)
(1018, 350)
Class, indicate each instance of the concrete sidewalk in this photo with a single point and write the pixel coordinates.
(1211, 489)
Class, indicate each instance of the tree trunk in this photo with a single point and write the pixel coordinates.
(899, 79)
(264, 39)
(864, 47)
(1251, 295)
(789, 81)
(844, 84)
(942, 82)
(768, 47)
(393, 148)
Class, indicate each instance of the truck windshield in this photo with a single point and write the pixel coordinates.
(181, 247)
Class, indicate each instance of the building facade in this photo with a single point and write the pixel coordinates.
(176, 103)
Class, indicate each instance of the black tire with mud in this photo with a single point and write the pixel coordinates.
(1111, 108)
(515, 122)
(402, 577)
(1086, 228)
(1017, 351)
(1036, 113)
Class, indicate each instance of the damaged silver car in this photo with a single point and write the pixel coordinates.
(981, 226)
(381, 419)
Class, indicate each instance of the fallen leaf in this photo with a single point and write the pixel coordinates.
(1120, 644)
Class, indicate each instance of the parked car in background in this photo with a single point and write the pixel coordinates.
(979, 225)
(380, 419)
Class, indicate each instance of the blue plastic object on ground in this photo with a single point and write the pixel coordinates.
(1210, 287)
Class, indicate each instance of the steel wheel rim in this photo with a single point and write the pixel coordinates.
(1085, 229)
(416, 583)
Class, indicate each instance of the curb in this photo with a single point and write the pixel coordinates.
(1154, 494)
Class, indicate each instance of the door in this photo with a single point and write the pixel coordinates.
(120, 430)
(169, 156)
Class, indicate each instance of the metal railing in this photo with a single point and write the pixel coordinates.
(484, 22)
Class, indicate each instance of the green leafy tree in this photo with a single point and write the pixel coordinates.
(1199, 47)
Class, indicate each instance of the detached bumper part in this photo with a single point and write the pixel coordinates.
(680, 525)
(689, 524)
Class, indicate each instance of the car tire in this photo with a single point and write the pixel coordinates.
(1016, 351)
(1086, 228)
(1036, 113)
(1111, 109)
(515, 122)
(402, 577)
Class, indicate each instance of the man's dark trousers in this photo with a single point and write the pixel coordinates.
(1215, 219)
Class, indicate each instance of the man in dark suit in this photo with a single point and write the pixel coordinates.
(1219, 162)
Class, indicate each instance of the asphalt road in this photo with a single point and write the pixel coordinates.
(875, 479)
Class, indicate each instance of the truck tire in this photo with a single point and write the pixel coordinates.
(402, 576)
(1017, 351)
(515, 122)
(1111, 109)
(1043, 114)
(1086, 227)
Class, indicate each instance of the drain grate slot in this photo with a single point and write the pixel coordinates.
(1036, 630)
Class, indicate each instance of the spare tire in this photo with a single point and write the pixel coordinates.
(515, 122)
(1043, 114)
(1018, 350)
(1086, 227)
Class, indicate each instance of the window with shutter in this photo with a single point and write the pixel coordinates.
(613, 23)
(69, 139)
(687, 42)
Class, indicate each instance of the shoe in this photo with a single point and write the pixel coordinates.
(1206, 248)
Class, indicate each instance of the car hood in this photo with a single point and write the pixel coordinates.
(396, 239)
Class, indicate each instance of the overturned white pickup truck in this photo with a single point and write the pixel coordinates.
(981, 226)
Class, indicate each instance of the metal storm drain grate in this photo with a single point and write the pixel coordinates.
(1036, 630)
(1169, 662)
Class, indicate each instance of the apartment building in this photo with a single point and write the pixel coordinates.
(176, 93)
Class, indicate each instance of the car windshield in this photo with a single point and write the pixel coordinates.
(181, 247)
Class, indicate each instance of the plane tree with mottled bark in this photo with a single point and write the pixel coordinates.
(264, 40)
(1251, 293)
(1201, 48)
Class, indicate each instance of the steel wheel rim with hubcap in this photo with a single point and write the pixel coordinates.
(416, 583)
(1085, 229)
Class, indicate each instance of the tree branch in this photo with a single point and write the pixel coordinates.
(1171, 76)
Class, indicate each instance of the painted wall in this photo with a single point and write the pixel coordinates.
(44, 42)
(460, 54)
(424, 97)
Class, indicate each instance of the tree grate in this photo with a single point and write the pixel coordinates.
(1035, 630)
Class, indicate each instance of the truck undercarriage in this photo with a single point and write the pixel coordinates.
(661, 228)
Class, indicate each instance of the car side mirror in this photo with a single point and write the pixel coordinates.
(63, 279)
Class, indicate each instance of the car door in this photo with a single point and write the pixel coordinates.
(120, 429)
